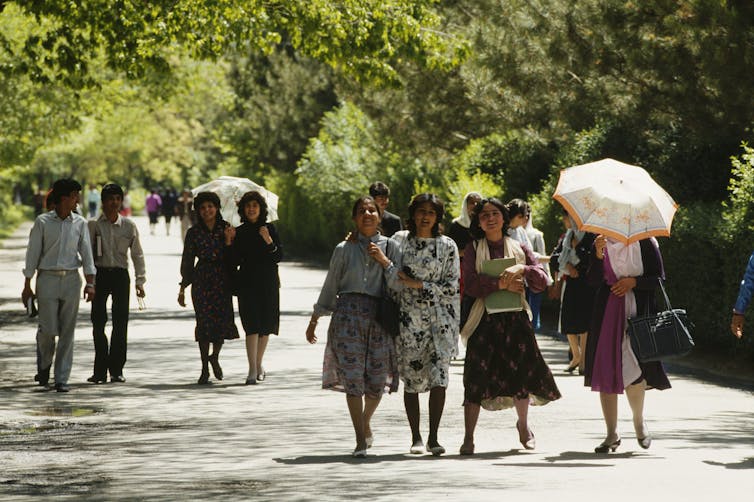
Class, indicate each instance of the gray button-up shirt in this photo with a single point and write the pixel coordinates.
(111, 242)
(56, 244)
(352, 270)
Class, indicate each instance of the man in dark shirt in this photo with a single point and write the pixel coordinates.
(391, 223)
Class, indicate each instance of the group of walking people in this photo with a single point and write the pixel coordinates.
(438, 283)
(503, 367)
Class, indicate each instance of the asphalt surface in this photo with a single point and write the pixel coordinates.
(160, 436)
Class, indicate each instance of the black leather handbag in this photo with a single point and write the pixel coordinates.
(388, 315)
(663, 335)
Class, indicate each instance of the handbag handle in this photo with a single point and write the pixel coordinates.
(662, 288)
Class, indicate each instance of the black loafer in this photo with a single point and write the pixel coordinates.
(118, 379)
(96, 379)
(62, 387)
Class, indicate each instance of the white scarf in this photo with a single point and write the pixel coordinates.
(625, 260)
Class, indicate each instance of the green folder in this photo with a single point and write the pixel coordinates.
(502, 300)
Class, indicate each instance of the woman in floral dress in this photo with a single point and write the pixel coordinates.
(359, 355)
(428, 273)
(205, 266)
(503, 367)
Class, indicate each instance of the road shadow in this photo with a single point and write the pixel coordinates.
(396, 457)
(747, 463)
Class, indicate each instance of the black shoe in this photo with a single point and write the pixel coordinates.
(43, 377)
(605, 446)
(203, 378)
(62, 387)
(216, 369)
(118, 379)
(96, 379)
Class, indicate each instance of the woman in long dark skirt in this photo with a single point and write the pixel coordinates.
(257, 250)
(503, 367)
(626, 277)
(206, 267)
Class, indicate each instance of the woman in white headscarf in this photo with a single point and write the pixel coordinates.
(626, 276)
(459, 227)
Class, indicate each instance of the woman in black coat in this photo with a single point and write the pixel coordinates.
(257, 250)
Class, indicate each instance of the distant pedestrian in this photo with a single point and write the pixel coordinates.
(744, 297)
(390, 223)
(572, 257)
(428, 271)
(168, 207)
(359, 355)
(625, 277)
(206, 267)
(58, 245)
(537, 240)
(257, 250)
(125, 207)
(93, 200)
(503, 367)
(153, 205)
(185, 211)
(112, 237)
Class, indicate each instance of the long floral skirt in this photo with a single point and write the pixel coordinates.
(503, 362)
(359, 355)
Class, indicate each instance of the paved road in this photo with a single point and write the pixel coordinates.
(162, 437)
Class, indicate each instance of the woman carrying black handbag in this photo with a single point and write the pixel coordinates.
(625, 277)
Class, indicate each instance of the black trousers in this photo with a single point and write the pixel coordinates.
(113, 282)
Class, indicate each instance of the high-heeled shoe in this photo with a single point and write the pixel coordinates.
(527, 439)
(359, 453)
(571, 369)
(204, 377)
(645, 441)
(417, 447)
(605, 446)
(216, 369)
(435, 448)
(369, 440)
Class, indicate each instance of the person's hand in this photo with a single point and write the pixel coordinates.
(89, 292)
(310, 336)
(230, 234)
(737, 325)
(140, 291)
(264, 233)
(26, 294)
(181, 298)
(572, 271)
(513, 283)
(623, 286)
(409, 282)
(599, 246)
(376, 253)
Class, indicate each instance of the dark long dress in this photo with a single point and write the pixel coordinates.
(578, 295)
(210, 282)
(258, 285)
(503, 360)
(644, 292)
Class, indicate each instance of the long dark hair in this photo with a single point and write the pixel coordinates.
(475, 229)
(437, 204)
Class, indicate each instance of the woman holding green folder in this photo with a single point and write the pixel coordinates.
(504, 367)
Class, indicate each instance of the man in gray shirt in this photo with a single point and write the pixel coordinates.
(112, 236)
(58, 245)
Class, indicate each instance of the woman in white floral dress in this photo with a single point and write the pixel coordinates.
(427, 286)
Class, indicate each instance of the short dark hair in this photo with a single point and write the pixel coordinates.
(518, 207)
(364, 199)
(417, 201)
(475, 229)
(379, 189)
(109, 190)
(248, 197)
(203, 197)
(63, 188)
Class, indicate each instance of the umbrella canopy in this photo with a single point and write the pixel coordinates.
(230, 190)
(615, 199)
